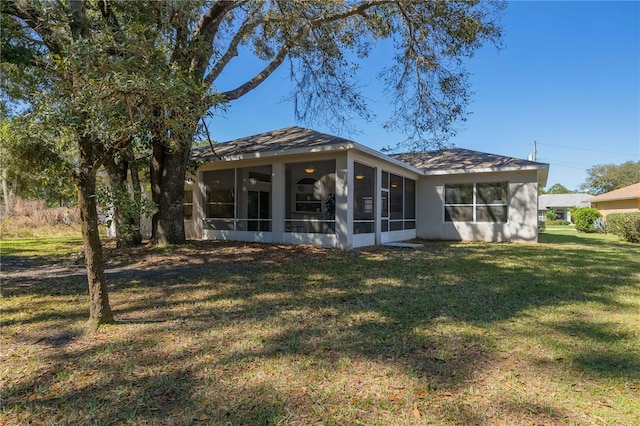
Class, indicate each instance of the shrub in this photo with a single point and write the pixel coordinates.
(625, 225)
(558, 222)
(31, 218)
(584, 218)
(550, 214)
(600, 226)
(614, 222)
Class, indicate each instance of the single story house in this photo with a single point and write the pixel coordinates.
(299, 186)
(623, 200)
(561, 204)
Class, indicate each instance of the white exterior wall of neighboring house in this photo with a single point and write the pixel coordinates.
(522, 222)
(561, 204)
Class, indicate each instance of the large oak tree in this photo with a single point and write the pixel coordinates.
(87, 84)
(321, 42)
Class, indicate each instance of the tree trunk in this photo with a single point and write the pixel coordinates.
(5, 194)
(135, 221)
(126, 220)
(117, 173)
(99, 308)
(168, 173)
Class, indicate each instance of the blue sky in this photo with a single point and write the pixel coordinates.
(568, 77)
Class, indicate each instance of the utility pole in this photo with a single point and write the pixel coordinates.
(532, 157)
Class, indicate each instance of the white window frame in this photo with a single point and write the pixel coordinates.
(474, 205)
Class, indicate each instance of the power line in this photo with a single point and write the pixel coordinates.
(586, 149)
(568, 167)
(565, 162)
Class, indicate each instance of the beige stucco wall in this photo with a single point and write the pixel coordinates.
(522, 224)
(617, 206)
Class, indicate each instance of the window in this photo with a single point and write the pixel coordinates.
(364, 190)
(187, 204)
(409, 204)
(396, 197)
(308, 199)
(480, 202)
(398, 202)
(491, 202)
(310, 189)
(253, 208)
(238, 199)
(384, 202)
(220, 198)
(458, 203)
(220, 193)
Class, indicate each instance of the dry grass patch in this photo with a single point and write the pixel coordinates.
(230, 333)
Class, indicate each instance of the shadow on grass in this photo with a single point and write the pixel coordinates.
(422, 311)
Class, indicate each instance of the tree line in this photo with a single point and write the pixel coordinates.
(602, 178)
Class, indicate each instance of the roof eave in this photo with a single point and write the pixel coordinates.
(631, 197)
(543, 168)
(543, 175)
(387, 158)
(342, 146)
(282, 152)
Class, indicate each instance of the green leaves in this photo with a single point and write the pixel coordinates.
(608, 177)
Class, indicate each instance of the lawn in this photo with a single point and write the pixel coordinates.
(238, 334)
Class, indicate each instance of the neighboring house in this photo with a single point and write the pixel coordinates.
(561, 204)
(623, 200)
(296, 185)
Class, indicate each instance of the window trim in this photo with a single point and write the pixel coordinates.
(239, 195)
(185, 204)
(407, 223)
(475, 204)
(368, 198)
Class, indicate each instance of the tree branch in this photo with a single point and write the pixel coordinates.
(260, 77)
(34, 21)
(181, 36)
(354, 10)
(232, 49)
(78, 21)
(231, 52)
(205, 33)
(108, 14)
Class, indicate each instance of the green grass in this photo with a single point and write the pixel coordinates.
(41, 247)
(228, 333)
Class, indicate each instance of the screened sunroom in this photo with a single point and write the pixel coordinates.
(335, 198)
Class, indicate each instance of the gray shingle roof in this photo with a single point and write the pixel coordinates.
(276, 140)
(548, 201)
(298, 138)
(626, 193)
(463, 159)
